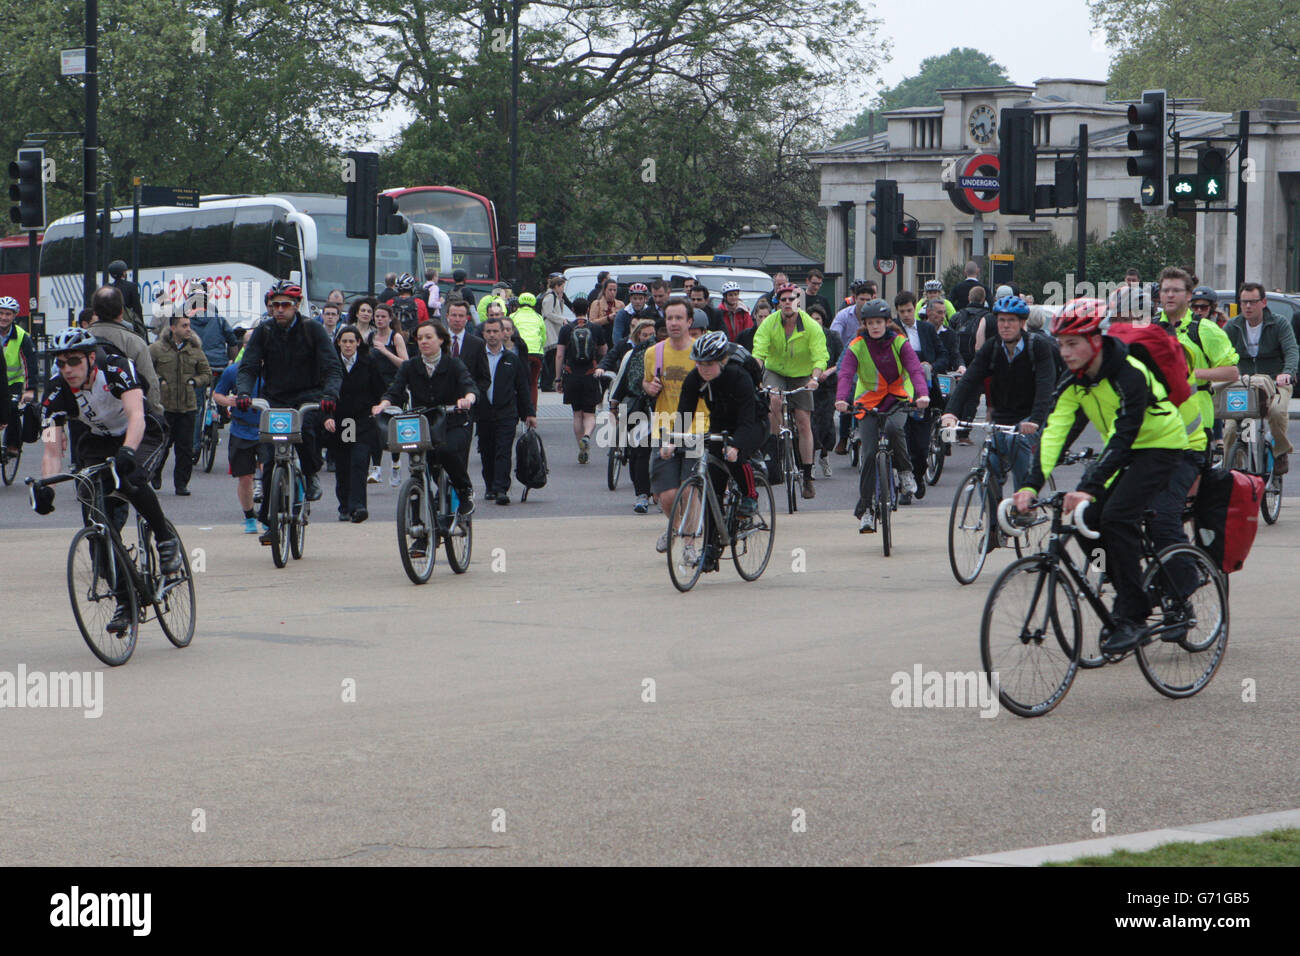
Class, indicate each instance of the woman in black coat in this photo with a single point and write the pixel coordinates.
(352, 432)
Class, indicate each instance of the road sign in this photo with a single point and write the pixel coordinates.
(72, 62)
(1149, 192)
(885, 266)
(527, 240)
(978, 182)
(169, 196)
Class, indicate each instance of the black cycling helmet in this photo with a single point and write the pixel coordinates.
(874, 309)
(710, 347)
(116, 268)
(1207, 294)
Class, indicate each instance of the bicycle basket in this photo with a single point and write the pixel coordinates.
(282, 426)
(1237, 401)
(409, 433)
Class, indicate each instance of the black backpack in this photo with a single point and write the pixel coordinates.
(739, 355)
(581, 346)
(407, 314)
(530, 461)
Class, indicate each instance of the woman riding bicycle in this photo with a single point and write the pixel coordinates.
(880, 371)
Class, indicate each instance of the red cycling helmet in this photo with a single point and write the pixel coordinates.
(638, 288)
(1080, 317)
(788, 287)
(286, 288)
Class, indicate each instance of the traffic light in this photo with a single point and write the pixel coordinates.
(361, 188)
(28, 189)
(1149, 140)
(1066, 185)
(1183, 187)
(1210, 164)
(888, 213)
(1017, 163)
(391, 222)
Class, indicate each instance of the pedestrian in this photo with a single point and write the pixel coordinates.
(361, 315)
(329, 317)
(432, 294)
(388, 346)
(245, 453)
(351, 430)
(959, 294)
(581, 345)
(532, 329)
(505, 403)
(109, 328)
(182, 370)
(458, 287)
(133, 311)
(629, 388)
(558, 312)
(702, 301)
(606, 305)
(967, 321)
(390, 288)
(813, 291)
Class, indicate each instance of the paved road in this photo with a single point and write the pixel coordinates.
(520, 690)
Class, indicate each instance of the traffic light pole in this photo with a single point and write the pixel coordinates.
(1081, 263)
(1243, 135)
(90, 187)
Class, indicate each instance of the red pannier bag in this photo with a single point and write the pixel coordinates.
(1159, 350)
(1227, 515)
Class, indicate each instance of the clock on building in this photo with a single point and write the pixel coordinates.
(983, 123)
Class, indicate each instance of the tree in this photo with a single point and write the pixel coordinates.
(1231, 53)
(959, 67)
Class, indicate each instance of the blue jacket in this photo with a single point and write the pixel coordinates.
(215, 333)
(242, 424)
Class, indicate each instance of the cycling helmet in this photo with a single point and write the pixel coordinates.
(527, 299)
(1206, 293)
(284, 287)
(858, 285)
(788, 287)
(730, 287)
(405, 282)
(9, 302)
(1013, 305)
(73, 340)
(874, 309)
(710, 347)
(638, 288)
(700, 320)
(933, 285)
(117, 268)
(1080, 317)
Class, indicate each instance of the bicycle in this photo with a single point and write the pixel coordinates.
(288, 511)
(418, 517)
(1031, 628)
(9, 460)
(208, 438)
(787, 445)
(94, 578)
(618, 451)
(887, 482)
(937, 449)
(701, 528)
(1251, 450)
(972, 531)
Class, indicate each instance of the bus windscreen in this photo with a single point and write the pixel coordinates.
(465, 220)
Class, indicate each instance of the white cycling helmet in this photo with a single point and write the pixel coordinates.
(9, 302)
(730, 287)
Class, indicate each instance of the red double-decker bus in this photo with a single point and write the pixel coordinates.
(468, 219)
(15, 267)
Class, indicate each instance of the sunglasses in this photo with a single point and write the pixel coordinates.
(787, 299)
(72, 361)
(284, 305)
(1201, 306)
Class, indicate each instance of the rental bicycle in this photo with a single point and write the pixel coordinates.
(1031, 631)
(787, 445)
(208, 438)
(426, 503)
(102, 570)
(937, 449)
(288, 511)
(701, 527)
(1251, 450)
(972, 530)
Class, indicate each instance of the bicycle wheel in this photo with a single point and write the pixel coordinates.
(754, 535)
(1237, 455)
(9, 466)
(1029, 639)
(93, 599)
(686, 539)
(969, 528)
(301, 514)
(884, 504)
(173, 598)
(413, 520)
(1180, 663)
(791, 475)
(211, 439)
(459, 540)
(934, 456)
(1271, 506)
(614, 469)
(279, 515)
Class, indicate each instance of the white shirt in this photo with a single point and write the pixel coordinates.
(1253, 333)
(347, 364)
(913, 336)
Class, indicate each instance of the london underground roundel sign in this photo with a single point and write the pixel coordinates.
(978, 182)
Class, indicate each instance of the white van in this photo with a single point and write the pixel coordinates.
(753, 282)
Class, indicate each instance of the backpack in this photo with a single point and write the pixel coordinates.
(407, 314)
(741, 356)
(1227, 510)
(581, 347)
(1156, 347)
(530, 461)
(966, 323)
(1053, 349)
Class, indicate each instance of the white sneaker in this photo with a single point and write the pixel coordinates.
(826, 466)
(373, 477)
(396, 478)
(909, 483)
(868, 523)
(662, 544)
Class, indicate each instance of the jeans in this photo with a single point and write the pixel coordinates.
(1019, 451)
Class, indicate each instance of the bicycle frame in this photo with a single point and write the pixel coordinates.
(707, 460)
(431, 475)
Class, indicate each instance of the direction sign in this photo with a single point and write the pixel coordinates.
(169, 196)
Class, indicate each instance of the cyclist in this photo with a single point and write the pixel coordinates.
(1269, 354)
(1205, 305)
(791, 347)
(735, 317)
(297, 364)
(1210, 354)
(933, 290)
(638, 294)
(103, 393)
(407, 309)
(1021, 391)
(1144, 439)
(20, 368)
(879, 369)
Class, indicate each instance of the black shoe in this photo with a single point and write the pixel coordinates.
(183, 492)
(360, 515)
(419, 548)
(503, 499)
(121, 622)
(313, 488)
(156, 482)
(169, 556)
(344, 516)
(1124, 637)
(465, 507)
(904, 499)
(920, 487)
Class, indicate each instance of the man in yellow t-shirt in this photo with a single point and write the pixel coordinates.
(666, 367)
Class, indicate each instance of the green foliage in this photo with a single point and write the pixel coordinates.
(952, 275)
(1279, 848)
(1232, 53)
(959, 67)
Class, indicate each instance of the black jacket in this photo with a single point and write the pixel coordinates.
(450, 383)
(512, 393)
(361, 391)
(1022, 390)
(473, 354)
(730, 400)
(297, 365)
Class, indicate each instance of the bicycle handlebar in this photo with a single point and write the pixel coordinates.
(445, 409)
(264, 405)
(773, 390)
(700, 436)
(1075, 518)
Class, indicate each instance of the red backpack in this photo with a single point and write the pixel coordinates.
(1227, 515)
(1158, 348)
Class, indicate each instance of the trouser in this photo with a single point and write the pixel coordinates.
(869, 432)
(918, 441)
(638, 462)
(1279, 402)
(452, 454)
(1167, 524)
(1133, 491)
(13, 433)
(180, 436)
(846, 426)
(534, 372)
(1018, 450)
(495, 440)
(351, 460)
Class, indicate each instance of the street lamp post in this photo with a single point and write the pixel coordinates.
(514, 138)
(90, 147)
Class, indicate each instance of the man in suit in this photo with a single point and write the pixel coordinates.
(505, 401)
(929, 348)
(466, 346)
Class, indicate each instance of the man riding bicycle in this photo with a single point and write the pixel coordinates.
(297, 364)
(1144, 435)
(879, 370)
(102, 392)
(1268, 355)
(20, 369)
(1020, 394)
